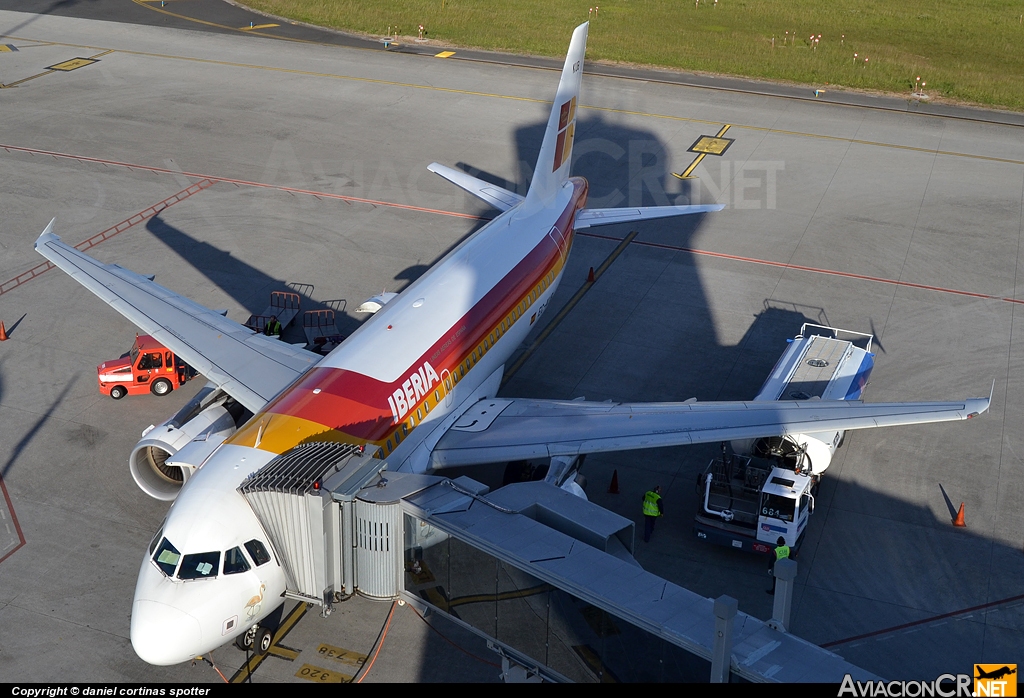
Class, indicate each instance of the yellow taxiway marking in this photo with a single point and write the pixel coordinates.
(259, 26)
(283, 653)
(342, 655)
(246, 670)
(593, 661)
(65, 66)
(318, 675)
(610, 110)
(444, 54)
(706, 145)
(8, 48)
(72, 64)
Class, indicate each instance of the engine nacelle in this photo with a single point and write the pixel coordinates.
(807, 453)
(210, 421)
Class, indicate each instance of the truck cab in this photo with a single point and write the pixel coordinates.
(786, 504)
(148, 367)
(748, 503)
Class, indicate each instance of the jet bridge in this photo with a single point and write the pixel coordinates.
(546, 577)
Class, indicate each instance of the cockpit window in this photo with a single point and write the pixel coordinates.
(156, 539)
(199, 566)
(235, 562)
(166, 557)
(258, 551)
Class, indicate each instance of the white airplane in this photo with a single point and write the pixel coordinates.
(415, 385)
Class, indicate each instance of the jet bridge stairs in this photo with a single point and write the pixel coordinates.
(547, 578)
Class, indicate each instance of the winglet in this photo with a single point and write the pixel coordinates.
(552, 168)
(981, 404)
(47, 235)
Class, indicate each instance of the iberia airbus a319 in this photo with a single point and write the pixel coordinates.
(399, 386)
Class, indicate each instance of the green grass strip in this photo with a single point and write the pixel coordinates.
(965, 50)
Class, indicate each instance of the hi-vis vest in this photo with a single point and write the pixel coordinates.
(782, 552)
(651, 504)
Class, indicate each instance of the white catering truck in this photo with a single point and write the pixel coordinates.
(764, 489)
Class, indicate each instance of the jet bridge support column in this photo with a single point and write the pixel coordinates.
(721, 656)
(785, 574)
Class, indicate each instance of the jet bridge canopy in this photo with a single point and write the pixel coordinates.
(547, 577)
(559, 591)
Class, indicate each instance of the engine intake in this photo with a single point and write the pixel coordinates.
(210, 417)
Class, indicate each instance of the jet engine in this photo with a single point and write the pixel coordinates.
(170, 452)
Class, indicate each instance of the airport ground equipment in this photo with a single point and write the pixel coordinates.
(764, 489)
(321, 328)
(546, 577)
(148, 367)
(283, 304)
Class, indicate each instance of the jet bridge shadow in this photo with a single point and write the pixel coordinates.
(627, 166)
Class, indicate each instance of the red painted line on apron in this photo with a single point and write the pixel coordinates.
(240, 182)
(923, 621)
(813, 270)
(96, 239)
(14, 518)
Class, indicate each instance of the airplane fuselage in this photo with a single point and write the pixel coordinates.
(395, 385)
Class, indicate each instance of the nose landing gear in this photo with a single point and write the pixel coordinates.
(256, 638)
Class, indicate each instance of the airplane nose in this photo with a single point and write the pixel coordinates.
(163, 635)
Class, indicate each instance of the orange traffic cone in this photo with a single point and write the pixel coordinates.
(3, 333)
(959, 520)
(590, 275)
(614, 487)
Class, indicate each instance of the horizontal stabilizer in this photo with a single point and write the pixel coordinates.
(501, 199)
(606, 216)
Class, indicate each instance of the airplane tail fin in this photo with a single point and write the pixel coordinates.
(552, 168)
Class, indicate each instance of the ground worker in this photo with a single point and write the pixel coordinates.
(781, 553)
(653, 508)
(273, 328)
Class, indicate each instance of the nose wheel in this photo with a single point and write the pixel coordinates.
(246, 640)
(264, 639)
(257, 639)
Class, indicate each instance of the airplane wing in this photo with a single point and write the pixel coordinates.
(501, 430)
(250, 367)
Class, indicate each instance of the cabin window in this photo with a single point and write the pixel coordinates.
(462, 371)
(389, 445)
(235, 562)
(258, 552)
(419, 414)
(199, 566)
(405, 429)
(492, 338)
(437, 398)
(166, 557)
